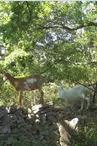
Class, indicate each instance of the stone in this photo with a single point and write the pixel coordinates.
(44, 142)
(3, 112)
(24, 124)
(41, 137)
(5, 129)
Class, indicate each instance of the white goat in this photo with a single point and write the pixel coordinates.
(74, 93)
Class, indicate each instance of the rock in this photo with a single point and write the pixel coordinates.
(41, 137)
(49, 114)
(36, 108)
(12, 109)
(44, 142)
(5, 129)
(22, 125)
(3, 112)
(29, 111)
(45, 132)
(9, 141)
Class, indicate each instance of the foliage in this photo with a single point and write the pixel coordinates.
(8, 94)
(56, 39)
(85, 136)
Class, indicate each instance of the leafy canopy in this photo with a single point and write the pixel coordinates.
(57, 39)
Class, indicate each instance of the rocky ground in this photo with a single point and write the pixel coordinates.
(37, 126)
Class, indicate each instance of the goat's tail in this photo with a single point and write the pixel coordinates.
(87, 86)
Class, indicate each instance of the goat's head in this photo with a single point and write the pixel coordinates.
(6, 76)
(72, 123)
(60, 87)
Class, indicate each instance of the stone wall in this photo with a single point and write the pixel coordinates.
(31, 127)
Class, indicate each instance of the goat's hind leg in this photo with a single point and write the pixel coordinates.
(20, 98)
(88, 103)
(41, 98)
(82, 105)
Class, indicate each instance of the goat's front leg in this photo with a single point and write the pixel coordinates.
(68, 106)
(82, 104)
(41, 98)
(66, 103)
(20, 97)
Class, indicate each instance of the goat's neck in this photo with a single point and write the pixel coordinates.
(12, 80)
(60, 89)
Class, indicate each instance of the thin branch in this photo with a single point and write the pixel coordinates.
(30, 11)
(68, 28)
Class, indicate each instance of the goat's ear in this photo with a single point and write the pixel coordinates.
(74, 122)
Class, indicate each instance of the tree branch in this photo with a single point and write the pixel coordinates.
(61, 26)
(30, 11)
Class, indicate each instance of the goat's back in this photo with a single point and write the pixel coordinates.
(29, 83)
(73, 93)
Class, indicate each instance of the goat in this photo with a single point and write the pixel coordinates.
(72, 94)
(26, 83)
(67, 129)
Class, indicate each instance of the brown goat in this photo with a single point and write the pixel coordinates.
(26, 83)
